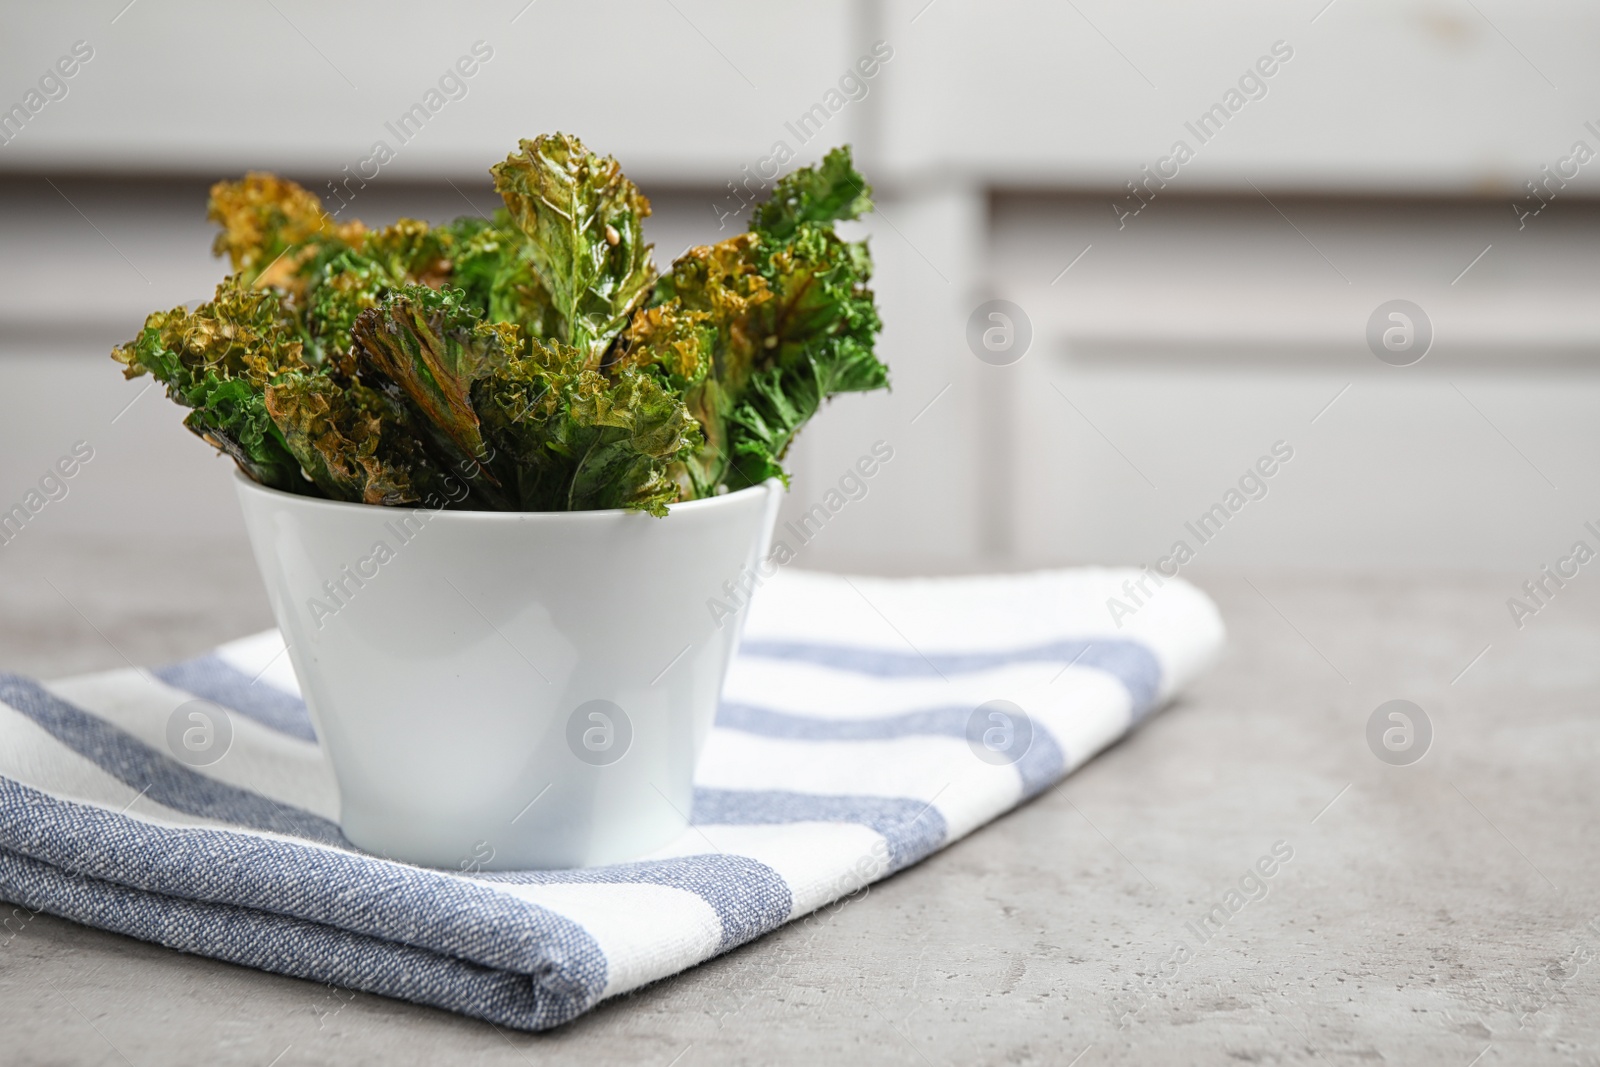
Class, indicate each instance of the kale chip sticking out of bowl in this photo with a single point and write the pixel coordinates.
(533, 362)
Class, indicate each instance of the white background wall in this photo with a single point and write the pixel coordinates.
(1384, 158)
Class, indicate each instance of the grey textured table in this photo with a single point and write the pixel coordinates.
(1438, 913)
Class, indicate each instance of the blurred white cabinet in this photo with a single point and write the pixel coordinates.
(1374, 95)
(1377, 95)
(688, 90)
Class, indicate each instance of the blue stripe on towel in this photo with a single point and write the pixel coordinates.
(1039, 766)
(162, 778)
(267, 902)
(281, 945)
(1042, 765)
(947, 721)
(912, 828)
(749, 897)
(218, 681)
(1130, 662)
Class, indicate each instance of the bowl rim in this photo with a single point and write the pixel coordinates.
(246, 483)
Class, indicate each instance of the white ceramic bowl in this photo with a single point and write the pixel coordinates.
(504, 690)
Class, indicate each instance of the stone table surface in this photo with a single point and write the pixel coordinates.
(1445, 912)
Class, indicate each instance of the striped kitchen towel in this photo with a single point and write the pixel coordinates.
(866, 723)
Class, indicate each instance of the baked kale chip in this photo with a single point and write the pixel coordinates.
(535, 361)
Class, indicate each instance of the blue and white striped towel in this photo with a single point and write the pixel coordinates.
(840, 756)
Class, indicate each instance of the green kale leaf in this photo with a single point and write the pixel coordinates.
(795, 320)
(337, 434)
(579, 439)
(433, 346)
(582, 219)
(828, 192)
(270, 227)
(216, 360)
